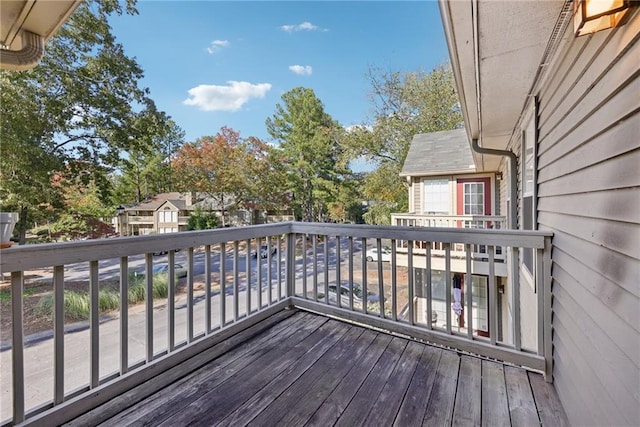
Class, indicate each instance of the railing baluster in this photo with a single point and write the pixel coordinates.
(190, 294)
(279, 267)
(207, 288)
(380, 278)
(338, 266)
(17, 344)
(236, 282)
(269, 273)
(259, 265)
(223, 284)
(394, 282)
(94, 325)
(493, 306)
(124, 315)
(429, 287)
(248, 275)
(447, 281)
(326, 271)
(314, 245)
(515, 298)
(410, 294)
(148, 263)
(351, 273)
(58, 334)
(364, 276)
(304, 264)
(171, 304)
(468, 289)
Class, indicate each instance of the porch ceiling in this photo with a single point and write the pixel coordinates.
(496, 48)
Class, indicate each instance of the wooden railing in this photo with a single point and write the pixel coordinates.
(230, 286)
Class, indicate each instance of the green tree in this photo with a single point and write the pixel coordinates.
(308, 139)
(403, 104)
(74, 113)
(202, 220)
(226, 167)
(145, 170)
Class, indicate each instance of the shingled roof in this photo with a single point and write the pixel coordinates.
(439, 153)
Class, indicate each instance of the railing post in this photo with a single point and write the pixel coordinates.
(291, 265)
(58, 334)
(17, 345)
(548, 310)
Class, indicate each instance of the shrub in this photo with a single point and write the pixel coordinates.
(108, 301)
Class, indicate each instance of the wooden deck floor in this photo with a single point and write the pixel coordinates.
(311, 370)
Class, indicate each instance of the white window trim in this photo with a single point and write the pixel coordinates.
(424, 198)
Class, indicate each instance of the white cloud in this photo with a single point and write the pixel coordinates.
(305, 26)
(302, 70)
(225, 98)
(216, 45)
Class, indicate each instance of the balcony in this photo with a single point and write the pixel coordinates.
(241, 336)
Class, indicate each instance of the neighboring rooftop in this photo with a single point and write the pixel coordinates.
(439, 153)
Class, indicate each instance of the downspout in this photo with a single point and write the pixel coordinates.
(26, 58)
(513, 176)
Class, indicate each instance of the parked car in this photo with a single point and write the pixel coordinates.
(385, 254)
(164, 252)
(163, 268)
(345, 292)
(264, 251)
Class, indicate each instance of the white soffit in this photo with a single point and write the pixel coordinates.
(512, 37)
(41, 17)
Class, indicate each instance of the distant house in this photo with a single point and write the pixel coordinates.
(446, 190)
(444, 183)
(169, 213)
(164, 213)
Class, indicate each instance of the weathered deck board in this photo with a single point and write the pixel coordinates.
(310, 370)
(548, 404)
(468, 407)
(413, 406)
(522, 407)
(333, 406)
(191, 388)
(495, 406)
(440, 407)
(360, 406)
(386, 407)
(218, 402)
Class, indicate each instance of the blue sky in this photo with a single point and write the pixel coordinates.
(210, 64)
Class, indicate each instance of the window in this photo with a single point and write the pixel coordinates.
(474, 198)
(437, 196)
(528, 156)
(168, 216)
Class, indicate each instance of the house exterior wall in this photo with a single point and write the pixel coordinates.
(588, 195)
(416, 191)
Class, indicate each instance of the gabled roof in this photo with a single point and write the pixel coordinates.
(439, 153)
(177, 199)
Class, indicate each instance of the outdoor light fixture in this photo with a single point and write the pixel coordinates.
(595, 15)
